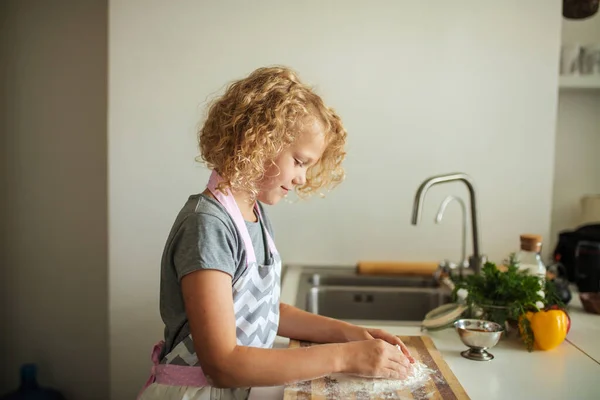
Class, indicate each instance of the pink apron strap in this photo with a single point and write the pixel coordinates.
(228, 201)
(169, 374)
(232, 208)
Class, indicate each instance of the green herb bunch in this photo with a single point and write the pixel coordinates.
(505, 296)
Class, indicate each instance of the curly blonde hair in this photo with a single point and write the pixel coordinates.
(259, 116)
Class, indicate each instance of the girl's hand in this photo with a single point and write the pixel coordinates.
(355, 332)
(375, 358)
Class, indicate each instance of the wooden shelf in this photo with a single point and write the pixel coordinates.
(580, 82)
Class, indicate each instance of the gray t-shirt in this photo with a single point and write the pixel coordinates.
(203, 236)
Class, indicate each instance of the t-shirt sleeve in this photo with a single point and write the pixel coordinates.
(203, 241)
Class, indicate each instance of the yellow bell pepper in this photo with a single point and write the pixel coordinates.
(549, 328)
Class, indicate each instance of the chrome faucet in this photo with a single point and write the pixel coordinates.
(477, 260)
(463, 263)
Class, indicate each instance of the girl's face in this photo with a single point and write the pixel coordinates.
(289, 168)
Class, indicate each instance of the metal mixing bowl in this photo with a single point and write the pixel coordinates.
(478, 335)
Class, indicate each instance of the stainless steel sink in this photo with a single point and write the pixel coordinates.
(344, 294)
(386, 304)
(353, 279)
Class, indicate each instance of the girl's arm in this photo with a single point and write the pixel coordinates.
(209, 308)
(299, 324)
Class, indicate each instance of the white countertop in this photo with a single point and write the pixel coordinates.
(572, 370)
(585, 329)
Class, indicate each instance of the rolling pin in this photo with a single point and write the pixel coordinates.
(425, 268)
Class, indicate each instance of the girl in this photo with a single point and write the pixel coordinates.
(220, 272)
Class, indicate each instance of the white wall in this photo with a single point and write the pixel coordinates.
(53, 282)
(577, 165)
(423, 87)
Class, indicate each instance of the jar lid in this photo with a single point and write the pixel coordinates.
(443, 317)
(531, 242)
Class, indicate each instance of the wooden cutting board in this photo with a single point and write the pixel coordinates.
(443, 385)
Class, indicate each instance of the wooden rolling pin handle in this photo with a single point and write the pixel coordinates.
(425, 268)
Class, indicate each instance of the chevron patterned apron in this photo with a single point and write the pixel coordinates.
(178, 376)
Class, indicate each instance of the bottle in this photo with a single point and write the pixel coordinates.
(29, 389)
(530, 259)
